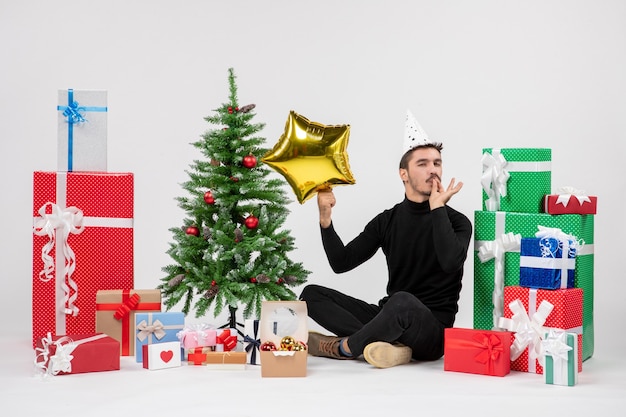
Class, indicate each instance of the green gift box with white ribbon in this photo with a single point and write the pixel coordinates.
(560, 350)
(516, 179)
(497, 262)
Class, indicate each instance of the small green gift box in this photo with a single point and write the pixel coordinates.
(497, 261)
(516, 179)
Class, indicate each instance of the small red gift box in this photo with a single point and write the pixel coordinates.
(75, 354)
(474, 351)
(570, 201)
(82, 243)
(530, 313)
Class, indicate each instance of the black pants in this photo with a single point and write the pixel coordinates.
(403, 318)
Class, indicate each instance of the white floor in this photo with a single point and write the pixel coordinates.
(331, 388)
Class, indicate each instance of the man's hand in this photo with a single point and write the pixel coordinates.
(439, 197)
(325, 201)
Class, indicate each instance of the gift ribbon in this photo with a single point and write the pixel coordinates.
(197, 356)
(125, 318)
(489, 345)
(494, 178)
(253, 343)
(228, 341)
(555, 346)
(61, 222)
(73, 113)
(495, 249)
(566, 193)
(528, 328)
(496, 174)
(72, 221)
(147, 330)
(61, 360)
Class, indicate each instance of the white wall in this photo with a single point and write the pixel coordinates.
(476, 74)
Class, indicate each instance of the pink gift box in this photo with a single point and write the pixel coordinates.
(200, 335)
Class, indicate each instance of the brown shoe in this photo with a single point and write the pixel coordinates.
(386, 355)
(325, 346)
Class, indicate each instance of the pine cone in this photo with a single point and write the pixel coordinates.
(290, 279)
(247, 108)
(262, 279)
(238, 235)
(211, 292)
(176, 280)
(206, 233)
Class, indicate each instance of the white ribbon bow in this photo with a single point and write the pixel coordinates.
(197, 331)
(495, 250)
(569, 244)
(529, 331)
(146, 330)
(63, 222)
(565, 193)
(61, 361)
(555, 345)
(494, 179)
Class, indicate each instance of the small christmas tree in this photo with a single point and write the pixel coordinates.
(231, 250)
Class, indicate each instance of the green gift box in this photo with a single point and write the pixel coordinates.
(495, 235)
(516, 179)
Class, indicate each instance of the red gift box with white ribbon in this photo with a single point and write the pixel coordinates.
(569, 200)
(529, 313)
(82, 243)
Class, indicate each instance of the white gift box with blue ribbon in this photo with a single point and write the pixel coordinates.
(82, 130)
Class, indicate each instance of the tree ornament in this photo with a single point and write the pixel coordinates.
(268, 346)
(206, 233)
(238, 235)
(262, 279)
(311, 156)
(253, 280)
(287, 343)
(230, 110)
(192, 230)
(213, 283)
(176, 280)
(249, 161)
(247, 108)
(234, 179)
(208, 198)
(251, 222)
(280, 281)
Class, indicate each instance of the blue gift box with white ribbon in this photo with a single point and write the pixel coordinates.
(82, 130)
(547, 263)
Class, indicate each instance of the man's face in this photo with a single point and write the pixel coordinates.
(423, 166)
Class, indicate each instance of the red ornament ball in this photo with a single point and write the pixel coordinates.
(208, 198)
(213, 283)
(234, 179)
(268, 346)
(230, 110)
(280, 281)
(193, 230)
(253, 280)
(251, 222)
(249, 161)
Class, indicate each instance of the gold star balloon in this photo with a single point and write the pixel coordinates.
(311, 156)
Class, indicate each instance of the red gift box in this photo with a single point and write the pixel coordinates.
(75, 354)
(82, 243)
(474, 351)
(569, 203)
(566, 314)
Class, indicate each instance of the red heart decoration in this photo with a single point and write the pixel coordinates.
(167, 356)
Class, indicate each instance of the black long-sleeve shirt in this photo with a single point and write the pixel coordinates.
(425, 252)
